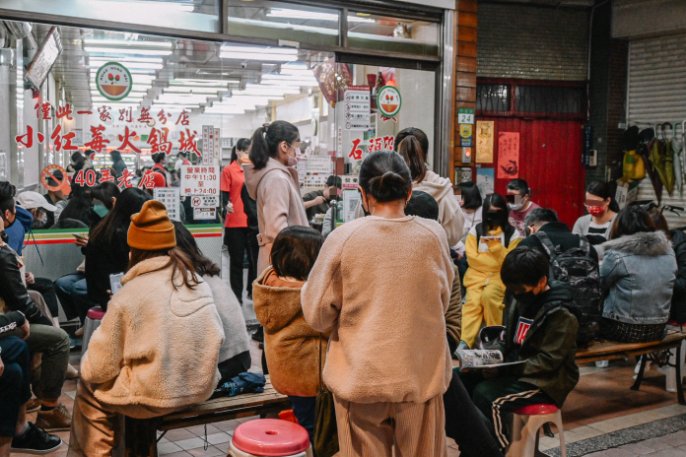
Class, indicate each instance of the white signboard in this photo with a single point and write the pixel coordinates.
(204, 201)
(200, 180)
(211, 145)
(357, 103)
(170, 197)
(204, 213)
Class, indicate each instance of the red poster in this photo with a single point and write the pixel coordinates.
(508, 155)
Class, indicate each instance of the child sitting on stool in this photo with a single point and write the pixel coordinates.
(541, 332)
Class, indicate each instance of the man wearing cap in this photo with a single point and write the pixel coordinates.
(42, 211)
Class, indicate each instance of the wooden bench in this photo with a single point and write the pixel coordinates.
(140, 436)
(609, 350)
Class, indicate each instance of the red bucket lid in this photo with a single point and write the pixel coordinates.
(95, 313)
(271, 438)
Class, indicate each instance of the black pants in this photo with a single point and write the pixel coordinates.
(15, 382)
(466, 424)
(497, 398)
(234, 366)
(240, 241)
(47, 289)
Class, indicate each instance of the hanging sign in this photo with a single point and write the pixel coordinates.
(484, 141)
(113, 81)
(211, 145)
(508, 155)
(388, 101)
(465, 116)
(199, 180)
(466, 138)
(170, 198)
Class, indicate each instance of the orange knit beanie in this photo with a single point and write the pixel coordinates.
(151, 229)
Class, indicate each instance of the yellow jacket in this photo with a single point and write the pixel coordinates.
(486, 264)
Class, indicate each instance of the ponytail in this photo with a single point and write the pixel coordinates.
(412, 152)
(265, 141)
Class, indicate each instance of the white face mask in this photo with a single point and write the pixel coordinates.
(293, 159)
(515, 206)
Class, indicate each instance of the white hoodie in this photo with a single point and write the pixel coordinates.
(449, 212)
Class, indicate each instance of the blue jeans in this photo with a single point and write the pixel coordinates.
(15, 382)
(304, 410)
(73, 294)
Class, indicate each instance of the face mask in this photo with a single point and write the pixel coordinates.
(526, 298)
(596, 211)
(495, 219)
(515, 206)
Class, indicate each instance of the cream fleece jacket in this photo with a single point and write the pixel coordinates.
(382, 287)
(156, 346)
(449, 212)
(276, 190)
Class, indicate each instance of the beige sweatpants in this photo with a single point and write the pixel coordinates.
(95, 425)
(375, 429)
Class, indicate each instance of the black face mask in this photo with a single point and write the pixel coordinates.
(526, 298)
(495, 219)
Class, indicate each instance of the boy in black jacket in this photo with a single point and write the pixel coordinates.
(541, 332)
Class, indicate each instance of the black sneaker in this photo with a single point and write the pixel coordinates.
(35, 440)
(258, 335)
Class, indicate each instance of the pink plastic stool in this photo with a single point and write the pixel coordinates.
(526, 425)
(92, 322)
(270, 438)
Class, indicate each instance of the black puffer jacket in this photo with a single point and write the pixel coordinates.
(678, 310)
(12, 289)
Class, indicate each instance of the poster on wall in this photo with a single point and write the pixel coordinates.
(463, 175)
(484, 141)
(199, 180)
(485, 180)
(508, 155)
(357, 106)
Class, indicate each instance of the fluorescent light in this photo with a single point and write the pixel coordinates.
(267, 91)
(285, 13)
(128, 60)
(193, 90)
(131, 66)
(128, 43)
(135, 51)
(261, 53)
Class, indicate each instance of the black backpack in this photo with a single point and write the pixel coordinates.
(250, 208)
(578, 269)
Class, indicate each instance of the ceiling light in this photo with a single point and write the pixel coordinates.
(128, 59)
(285, 13)
(261, 53)
(267, 91)
(193, 90)
(131, 66)
(128, 43)
(125, 51)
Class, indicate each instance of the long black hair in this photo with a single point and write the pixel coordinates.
(266, 139)
(129, 203)
(385, 176)
(186, 243)
(243, 144)
(496, 217)
(105, 192)
(471, 196)
(630, 220)
(411, 150)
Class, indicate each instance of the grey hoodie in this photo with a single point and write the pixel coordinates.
(275, 188)
(449, 212)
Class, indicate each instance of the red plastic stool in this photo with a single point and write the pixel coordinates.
(92, 322)
(288, 415)
(270, 438)
(526, 425)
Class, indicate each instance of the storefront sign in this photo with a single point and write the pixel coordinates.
(351, 197)
(508, 155)
(388, 101)
(465, 116)
(199, 180)
(204, 214)
(357, 107)
(484, 141)
(204, 201)
(113, 81)
(170, 198)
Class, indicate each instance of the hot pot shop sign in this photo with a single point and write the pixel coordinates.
(113, 81)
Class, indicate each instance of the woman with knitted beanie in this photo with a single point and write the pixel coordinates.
(143, 361)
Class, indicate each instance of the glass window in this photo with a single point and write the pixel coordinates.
(302, 24)
(550, 99)
(384, 33)
(198, 15)
(493, 98)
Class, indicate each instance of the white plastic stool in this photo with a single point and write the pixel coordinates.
(93, 318)
(270, 437)
(526, 426)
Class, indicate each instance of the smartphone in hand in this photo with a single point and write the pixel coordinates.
(115, 282)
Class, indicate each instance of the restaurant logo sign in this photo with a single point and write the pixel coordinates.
(113, 81)
(388, 101)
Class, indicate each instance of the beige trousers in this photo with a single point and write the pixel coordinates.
(378, 429)
(96, 427)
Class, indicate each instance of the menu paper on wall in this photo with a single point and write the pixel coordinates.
(171, 199)
(357, 108)
(484, 141)
(211, 145)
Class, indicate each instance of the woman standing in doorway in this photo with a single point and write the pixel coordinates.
(236, 231)
(272, 181)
